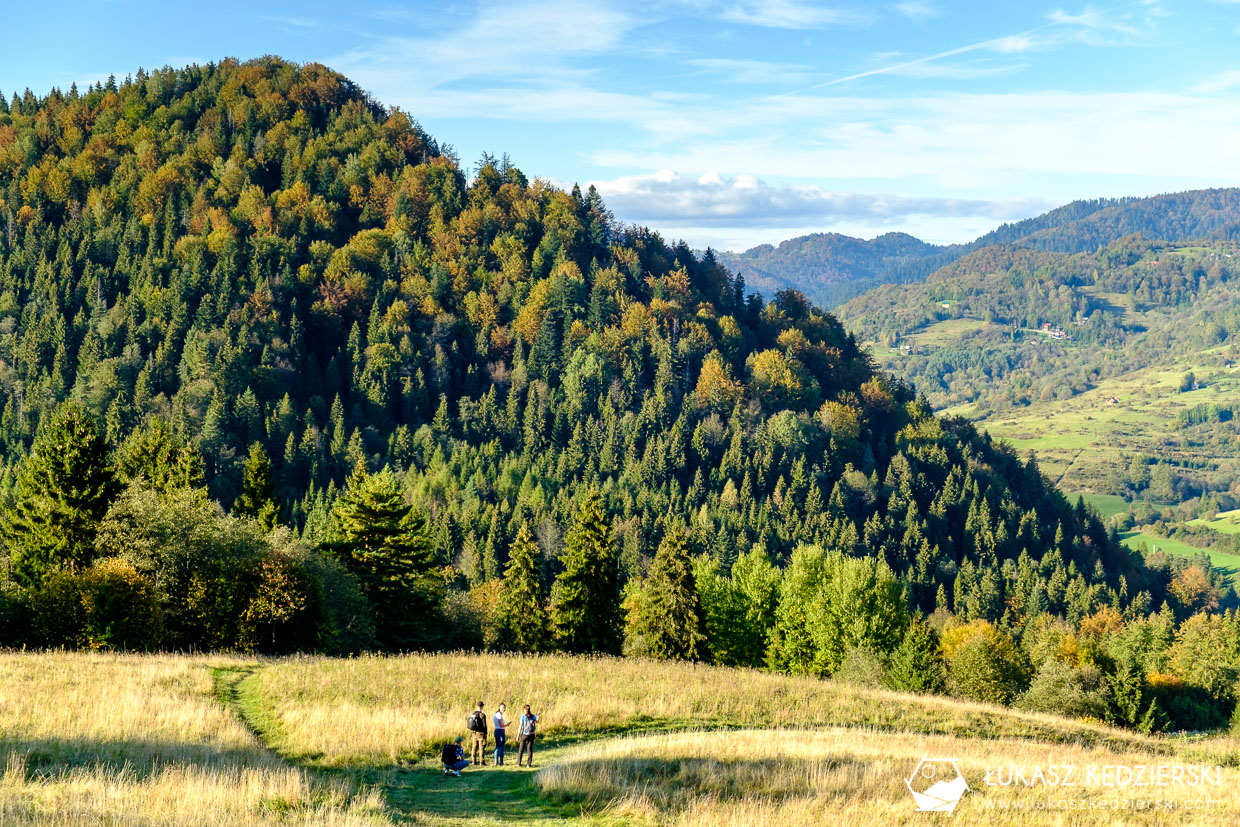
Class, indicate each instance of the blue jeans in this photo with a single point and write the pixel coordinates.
(500, 739)
(458, 766)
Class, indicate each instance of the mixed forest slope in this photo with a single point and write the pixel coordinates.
(258, 253)
(278, 373)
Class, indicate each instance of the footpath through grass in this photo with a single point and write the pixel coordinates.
(415, 790)
(130, 740)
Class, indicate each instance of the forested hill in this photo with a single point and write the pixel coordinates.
(250, 275)
(1100, 342)
(832, 268)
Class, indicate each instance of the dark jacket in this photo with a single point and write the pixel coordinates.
(481, 716)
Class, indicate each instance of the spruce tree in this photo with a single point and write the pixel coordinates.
(258, 489)
(670, 618)
(917, 664)
(524, 598)
(64, 487)
(385, 542)
(585, 600)
(164, 459)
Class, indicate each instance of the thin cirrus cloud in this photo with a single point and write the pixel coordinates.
(526, 41)
(712, 200)
(902, 120)
(752, 72)
(790, 14)
(918, 11)
(1221, 82)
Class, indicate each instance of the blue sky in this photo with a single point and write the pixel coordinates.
(736, 122)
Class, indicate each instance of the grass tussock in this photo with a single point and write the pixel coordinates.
(139, 740)
(383, 710)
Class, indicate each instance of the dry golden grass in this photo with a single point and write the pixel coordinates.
(381, 710)
(140, 740)
(853, 777)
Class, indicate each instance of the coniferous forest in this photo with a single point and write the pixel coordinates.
(280, 373)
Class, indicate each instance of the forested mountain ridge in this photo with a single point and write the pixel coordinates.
(279, 371)
(831, 268)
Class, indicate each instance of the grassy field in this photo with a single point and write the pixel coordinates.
(1228, 564)
(1080, 440)
(1107, 505)
(133, 740)
(106, 739)
(939, 334)
(1226, 522)
(852, 776)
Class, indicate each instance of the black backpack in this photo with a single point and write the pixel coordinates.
(449, 753)
(475, 722)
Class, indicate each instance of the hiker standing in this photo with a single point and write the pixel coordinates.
(525, 735)
(501, 734)
(477, 723)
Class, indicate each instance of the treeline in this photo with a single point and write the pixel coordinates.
(128, 551)
(278, 375)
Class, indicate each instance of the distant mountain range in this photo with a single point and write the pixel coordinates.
(831, 268)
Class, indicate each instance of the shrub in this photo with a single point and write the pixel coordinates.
(283, 608)
(1060, 689)
(983, 664)
(345, 625)
(863, 668)
(108, 606)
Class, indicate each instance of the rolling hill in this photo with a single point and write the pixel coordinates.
(1096, 360)
(832, 268)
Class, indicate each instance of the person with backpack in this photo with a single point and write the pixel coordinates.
(501, 733)
(525, 735)
(454, 758)
(477, 724)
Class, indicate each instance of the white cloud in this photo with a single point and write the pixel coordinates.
(959, 71)
(791, 14)
(513, 41)
(752, 71)
(1023, 41)
(1220, 82)
(744, 200)
(919, 10)
(1016, 142)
